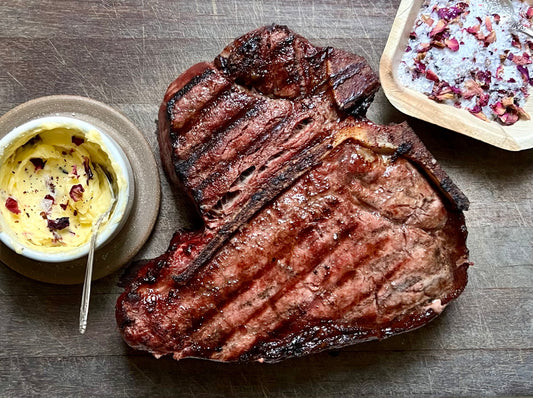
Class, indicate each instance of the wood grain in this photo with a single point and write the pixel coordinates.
(125, 53)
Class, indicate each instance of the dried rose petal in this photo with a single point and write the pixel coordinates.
(515, 41)
(87, 166)
(75, 170)
(430, 75)
(523, 59)
(522, 113)
(497, 18)
(76, 192)
(423, 47)
(77, 140)
(449, 13)
(509, 118)
(439, 28)
(58, 223)
(498, 108)
(488, 23)
(499, 71)
(508, 101)
(479, 115)
(490, 38)
(452, 44)
(12, 205)
(483, 99)
(472, 89)
(473, 29)
(427, 19)
(38, 163)
(525, 74)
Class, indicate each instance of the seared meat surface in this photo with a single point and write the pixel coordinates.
(321, 229)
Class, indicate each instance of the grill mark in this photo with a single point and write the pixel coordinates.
(347, 73)
(286, 328)
(288, 239)
(184, 166)
(256, 150)
(302, 324)
(286, 323)
(185, 89)
(287, 287)
(183, 143)
(202, 161)
(192, 285)
(303, 238)
(260, 161)
(258, 274)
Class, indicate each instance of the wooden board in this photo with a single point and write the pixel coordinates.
(125, 53)
(516, 137)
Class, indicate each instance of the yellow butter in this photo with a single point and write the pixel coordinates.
(51, 189)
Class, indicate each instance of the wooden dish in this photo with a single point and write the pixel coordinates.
(514, 138)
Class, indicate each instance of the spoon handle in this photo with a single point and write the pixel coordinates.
(86, 295)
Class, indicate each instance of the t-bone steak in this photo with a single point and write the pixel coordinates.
(319, 228)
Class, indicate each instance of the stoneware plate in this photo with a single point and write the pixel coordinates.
(516, 137)
(137, 229)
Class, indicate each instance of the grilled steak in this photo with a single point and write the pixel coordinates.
(320, 228)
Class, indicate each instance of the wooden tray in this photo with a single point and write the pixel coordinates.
(514, 138)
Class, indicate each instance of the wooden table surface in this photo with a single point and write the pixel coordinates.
(125, 53)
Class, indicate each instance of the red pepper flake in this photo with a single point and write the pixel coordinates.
(38, 163)
(49, 197)
(58, 223)
(12, 205)
(497, 18)
(77, 140)
(64, 205)
(76, 192)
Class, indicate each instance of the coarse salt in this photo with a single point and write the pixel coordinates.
(460, 54)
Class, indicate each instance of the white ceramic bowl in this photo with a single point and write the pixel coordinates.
(121, 168)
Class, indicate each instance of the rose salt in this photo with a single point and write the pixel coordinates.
(460, 54)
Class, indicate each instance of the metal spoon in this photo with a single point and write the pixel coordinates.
(86, 295)
(505, 9)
